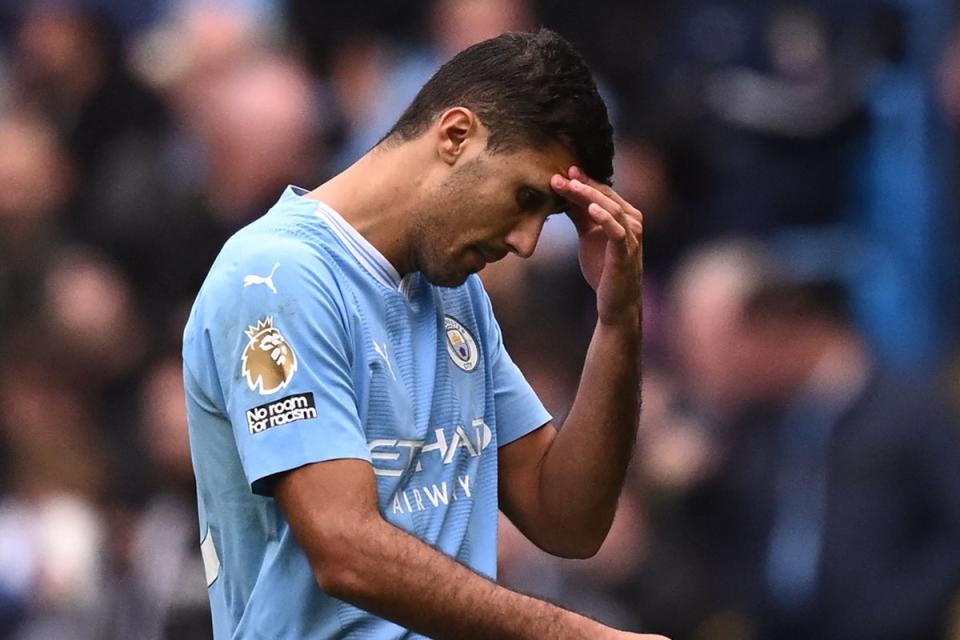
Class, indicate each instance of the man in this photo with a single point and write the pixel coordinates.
(831, 508)
(355, 420)
(839, 498)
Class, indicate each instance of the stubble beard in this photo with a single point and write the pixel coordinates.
(435, 233)
(431, 256)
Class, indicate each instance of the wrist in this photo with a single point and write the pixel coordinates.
(626, 321)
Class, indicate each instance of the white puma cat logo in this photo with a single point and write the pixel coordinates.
(267, 280)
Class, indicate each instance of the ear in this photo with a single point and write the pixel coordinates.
(458, 129)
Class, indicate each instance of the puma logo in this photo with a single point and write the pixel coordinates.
(382, 352)
(267, 280)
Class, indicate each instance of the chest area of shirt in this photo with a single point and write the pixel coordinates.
(425, 398)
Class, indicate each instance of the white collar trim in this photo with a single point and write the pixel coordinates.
(365, 253)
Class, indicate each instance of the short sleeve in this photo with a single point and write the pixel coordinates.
(519, 410)
(282, 344)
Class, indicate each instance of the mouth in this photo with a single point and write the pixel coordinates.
(479, 257)
(490, 255)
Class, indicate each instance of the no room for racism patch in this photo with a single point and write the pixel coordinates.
(300, 406)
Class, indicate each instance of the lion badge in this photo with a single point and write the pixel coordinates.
(268, 361)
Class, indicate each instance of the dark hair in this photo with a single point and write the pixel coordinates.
(528, 89)
(824, 300)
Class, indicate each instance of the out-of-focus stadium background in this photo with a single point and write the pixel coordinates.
(797, 472)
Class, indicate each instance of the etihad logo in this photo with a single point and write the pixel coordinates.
(431, 496)
(393, 457)
(268, 361)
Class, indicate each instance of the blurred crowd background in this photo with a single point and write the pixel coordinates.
(797, 472)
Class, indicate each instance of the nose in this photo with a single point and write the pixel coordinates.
(523, 239)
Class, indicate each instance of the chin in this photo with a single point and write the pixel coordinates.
(448, 279)
(451, 269)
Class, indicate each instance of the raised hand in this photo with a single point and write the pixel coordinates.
(611, 243)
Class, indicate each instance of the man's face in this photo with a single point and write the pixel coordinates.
(490, 204)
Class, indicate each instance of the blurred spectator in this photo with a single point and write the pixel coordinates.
(257, 127)
(51, 581)
(35, 178)
(708, 294)
(374, 81)
(122, 172)
(693, 389)
(158, 591)
(54, 474)
(836, 506)
(70, 65)
(196, 39)
(89, 323)
(867, 491)
(92, 323)
(248, 129)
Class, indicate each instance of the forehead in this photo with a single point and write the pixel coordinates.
(535, 165)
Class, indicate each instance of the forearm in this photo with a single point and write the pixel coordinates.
(582, 472)
(398, 577)
(580, 475)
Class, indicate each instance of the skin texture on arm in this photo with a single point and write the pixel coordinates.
(396, 576)
(561, 489)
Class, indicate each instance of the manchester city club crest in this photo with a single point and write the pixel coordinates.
(461, 347)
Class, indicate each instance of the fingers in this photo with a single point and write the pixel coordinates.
(576, 173)
(581, 193)
(577, 212)
(602, 209)
(607, 221)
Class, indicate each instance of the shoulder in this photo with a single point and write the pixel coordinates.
(261, 273)
(258, 262)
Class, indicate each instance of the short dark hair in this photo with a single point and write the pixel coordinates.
(824, 300)
(528, 89)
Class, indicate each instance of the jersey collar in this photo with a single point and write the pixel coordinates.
(365, 253)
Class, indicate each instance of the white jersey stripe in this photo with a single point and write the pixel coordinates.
(365, 253)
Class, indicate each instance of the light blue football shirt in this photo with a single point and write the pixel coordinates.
(305, 345)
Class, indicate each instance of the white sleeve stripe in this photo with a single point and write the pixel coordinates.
(211, 561)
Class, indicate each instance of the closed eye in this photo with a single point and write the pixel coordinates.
(558, 204)
(530, 199)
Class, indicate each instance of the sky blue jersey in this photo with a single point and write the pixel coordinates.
(305, 345)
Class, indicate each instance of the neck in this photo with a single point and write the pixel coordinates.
(377, 196)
